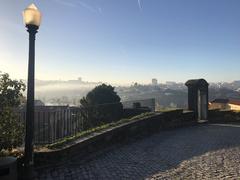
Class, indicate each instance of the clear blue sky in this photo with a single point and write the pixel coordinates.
(124, 41)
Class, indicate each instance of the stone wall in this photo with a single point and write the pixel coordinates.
(96, 142)
(130, 112)
(223, 116)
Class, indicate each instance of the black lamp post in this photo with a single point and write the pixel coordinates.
(32, 19)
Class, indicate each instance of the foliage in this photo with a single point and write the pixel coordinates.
(101, 105)
(11, 129)
(16, 152)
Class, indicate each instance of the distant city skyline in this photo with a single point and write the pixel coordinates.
(121, 42)
(153, 81)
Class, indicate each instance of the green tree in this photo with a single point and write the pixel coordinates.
(11, 129)
(101, 105)
(10, 91)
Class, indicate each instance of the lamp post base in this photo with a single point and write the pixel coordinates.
(28, 173)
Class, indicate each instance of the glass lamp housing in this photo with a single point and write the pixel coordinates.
(32, 16)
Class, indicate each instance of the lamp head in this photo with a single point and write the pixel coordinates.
(32, 16)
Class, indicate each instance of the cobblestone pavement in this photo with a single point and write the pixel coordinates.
(200, 152)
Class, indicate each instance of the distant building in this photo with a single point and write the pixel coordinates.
(225, 104)
(219, 104)
(135, 84)
(170, 83)
(38, 103)
(149, 103)
(154, 81)
(80, 79)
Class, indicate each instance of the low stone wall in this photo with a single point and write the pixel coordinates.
(97, 141)
(130, 112)
(223, 116)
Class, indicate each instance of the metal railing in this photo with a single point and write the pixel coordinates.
(53, 123)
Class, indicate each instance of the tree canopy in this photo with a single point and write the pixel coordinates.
(10, 91)
(102, 105)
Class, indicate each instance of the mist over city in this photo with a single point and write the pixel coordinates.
(169, 94)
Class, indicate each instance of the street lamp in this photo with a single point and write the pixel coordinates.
(32, 20)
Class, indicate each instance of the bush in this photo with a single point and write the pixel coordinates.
(11, 130)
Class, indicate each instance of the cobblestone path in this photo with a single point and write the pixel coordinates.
(200, 152)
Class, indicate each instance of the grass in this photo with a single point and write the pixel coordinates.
(168, 109)
(88, 132)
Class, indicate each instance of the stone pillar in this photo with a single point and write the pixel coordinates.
(198, 97)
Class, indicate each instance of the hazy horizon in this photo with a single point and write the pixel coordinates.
(149, 82)
(122, 42)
